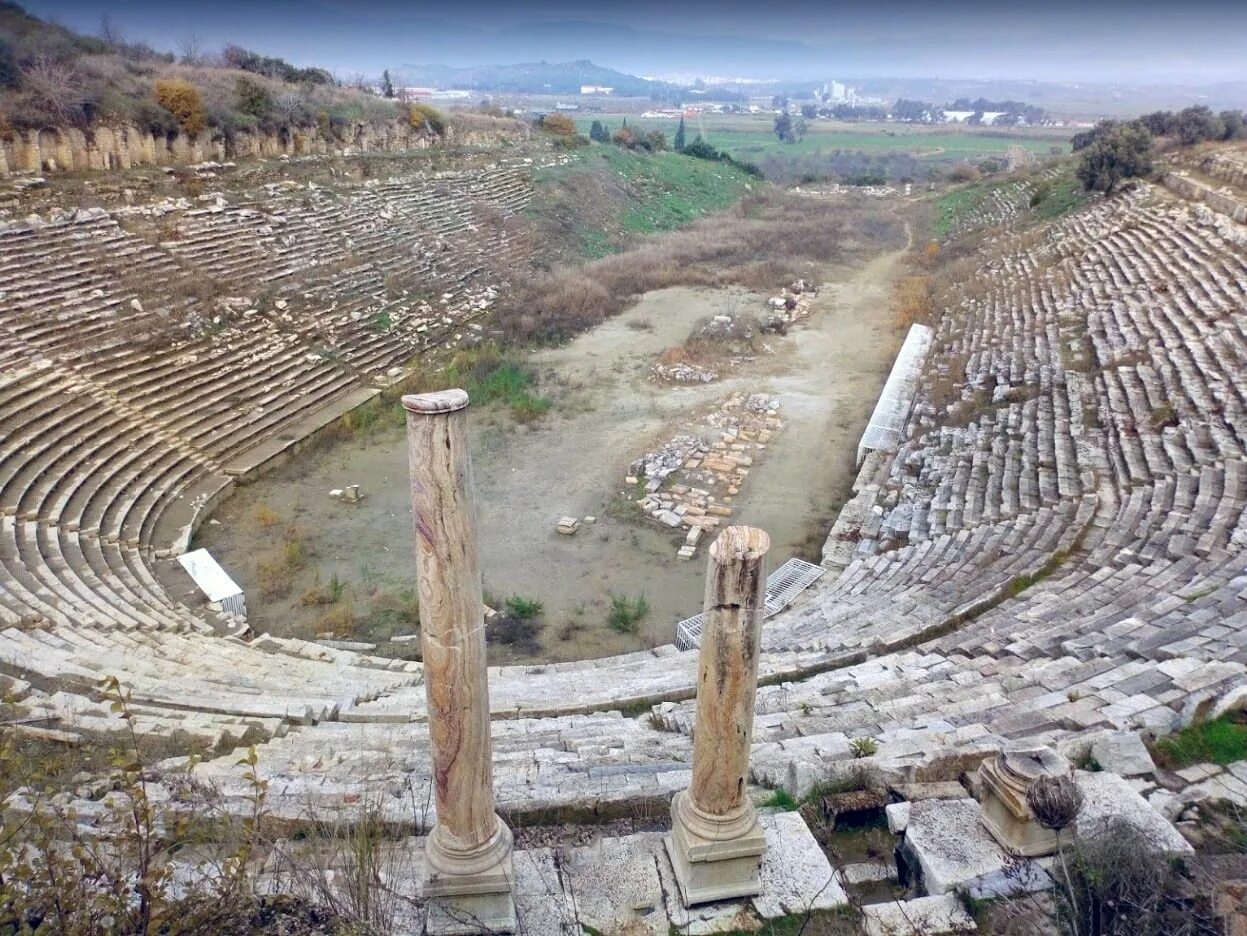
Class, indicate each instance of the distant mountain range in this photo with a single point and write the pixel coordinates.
(530, 78)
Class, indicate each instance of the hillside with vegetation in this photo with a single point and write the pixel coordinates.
(51, 76)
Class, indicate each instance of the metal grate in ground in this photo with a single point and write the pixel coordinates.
(782, 587)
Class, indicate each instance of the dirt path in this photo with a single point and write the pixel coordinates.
(827, 374)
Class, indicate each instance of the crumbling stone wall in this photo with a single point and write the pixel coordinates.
(122, 146)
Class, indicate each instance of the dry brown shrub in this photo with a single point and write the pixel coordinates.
(183, 100)
(765, 242)
(559, 125)
(915, 301)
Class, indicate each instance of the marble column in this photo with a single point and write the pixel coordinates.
(716, 844)
(468, 880)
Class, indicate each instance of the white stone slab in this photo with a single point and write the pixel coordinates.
(954, 850)
(796, 875)
(615, 885)
(1107, 797)
(898, 817)
(930, 916)
(1124, 754)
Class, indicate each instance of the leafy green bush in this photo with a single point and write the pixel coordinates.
(523, 608)
(253, 98)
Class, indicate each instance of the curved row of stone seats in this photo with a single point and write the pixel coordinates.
(883, 602)
(1167, 579)
(73, 715)
(929, 712)
(1164, 392)
(70, 288)
(68, 457)
(104, 434)
(49, 572)
(573, 767)
(920, 703)
(894, 597)
(269, 679)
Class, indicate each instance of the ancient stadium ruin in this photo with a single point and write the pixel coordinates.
(1041, 563)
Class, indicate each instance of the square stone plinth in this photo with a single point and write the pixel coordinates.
(476, 903)
(708, 870)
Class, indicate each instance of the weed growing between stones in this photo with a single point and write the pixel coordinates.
(626, 613)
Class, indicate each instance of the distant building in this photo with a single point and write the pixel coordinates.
(596, 89)
(963, 116)
(560, 106)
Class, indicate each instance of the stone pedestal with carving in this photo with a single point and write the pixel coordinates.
(468, 883)
(1005, 812)
(716, 844)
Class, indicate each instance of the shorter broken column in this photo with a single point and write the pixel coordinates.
(1006, 779)
(716, 844)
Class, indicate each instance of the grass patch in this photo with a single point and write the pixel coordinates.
(389, 614)
(626, 613)
(1059, 198)
(1219, 741)
(956, 204)
(489, 376)
(782, 799)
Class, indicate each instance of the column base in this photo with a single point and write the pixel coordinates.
(712, 866)
(464, 914)
(474, 897)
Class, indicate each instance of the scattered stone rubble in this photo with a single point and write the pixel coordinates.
(689, 483)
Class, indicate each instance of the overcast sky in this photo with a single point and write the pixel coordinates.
(1052, 40)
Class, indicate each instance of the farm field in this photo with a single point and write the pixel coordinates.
(750, 136)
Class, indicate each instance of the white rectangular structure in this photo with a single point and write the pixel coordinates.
(782, 587)
(887, 422)
(214, 582)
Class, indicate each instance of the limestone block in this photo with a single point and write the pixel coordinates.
(1124, 754)
(952, 849)
(898, 817)
(931, 916)
(1107, 797)
(796, 876)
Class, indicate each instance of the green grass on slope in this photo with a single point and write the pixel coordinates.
(957, 203)
(1058, 198)
(1220, 741)
(616, 195)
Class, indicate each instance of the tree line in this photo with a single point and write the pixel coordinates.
(1113, 151)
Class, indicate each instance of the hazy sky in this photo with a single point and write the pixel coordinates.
(1050, 40)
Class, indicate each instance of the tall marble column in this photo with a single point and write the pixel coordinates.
(468, 883)
(715, 843)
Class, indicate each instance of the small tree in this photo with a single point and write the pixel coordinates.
(183, 100)
(656, 141)
(1197, 124)
(1124, 152)
(387, 86)
(624, 137)
(783, 127)
(679, 137)
(253, 98)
